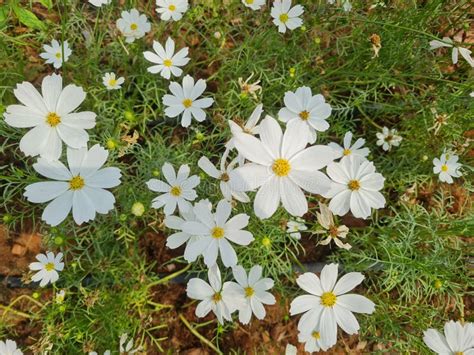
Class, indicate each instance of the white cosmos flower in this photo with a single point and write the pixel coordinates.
(285, 16)
(309, 111)
(312, 340)
(388, 138)
(253, 291)
(81, 188)
(185, 101)
(99, 3)
(171, 9)
(347, 6)
(447, 167)
(295, 226)
(111, 82)
(52, 117)
(326, 220)
(280, 167)
(56, 53)
(133, 25)
(448, 42)
(355, 186)
(471, 94)
(166, 60)
(457, 339)
(214, 296)
(47, 266)
(217, 231)
(328, 305)
(254, 4)
(106, 352)
(225, 175)
(127, 348)
(348, 149)
(177, 191)
(60, 295)
(9, 347)
(291, 349)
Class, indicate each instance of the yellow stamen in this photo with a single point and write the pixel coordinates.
(316, 335)
(76, 183)
(328, 299)
(444, 167)
(217, 232)
(176, 191)
(167, 63)
(281, 167)
(217, 297)
(58, 55)
(53, 119)
(133, 26)
(112, 82)
(354, 185)
(187, 103)
(49, 267)
(304, 115)
(172, 7)
(249, 291)
(250, 2)
(225, 177)
(346, 152)
(284, 18)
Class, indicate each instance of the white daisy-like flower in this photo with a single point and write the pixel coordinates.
(60, 295)
(348, 149)
(347, 6)
(52, 117)
(328, 305)
(253, 291)
(217, 231)
(171, 9)
(388, 138)
(47, 266)
(167, 61)
(285, 16)
(355, 186)
(81, 188)
(458, 339)
(312, 340)
(447, 167)
(280, 167)
(111, 82)
(448, 42)
(225, 175)
(214, 296)
(127, 347)
(177, 191)
(56, 53)
(185, 100)
(99, 3)
(291, 349)
(309, 111)
(9, 347)
(106, 352)
(295, 226)
(254, 4)
(471, 94)
(326, 220)
(133, 25)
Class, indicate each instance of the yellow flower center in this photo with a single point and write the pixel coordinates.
(284, 18)
(133, 26)
(53, 119)
(112, 82)
(249, 291)
(316, 335)
(266, 242)
(172, 7)
(225, 177)
(167, 63)
(217, 232)
(444, 167)
(304, 115)
(187, 103)
(58, 55)
(49, 267)
(328, 299)
(346, 152)
(459, 353)
(176, 191)
(217, 297)
(250, 2)
(281, 167)
(76, 183)
(354, 185)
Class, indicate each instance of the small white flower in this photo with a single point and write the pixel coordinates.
(447, 167)
(60, 296)
(178, 190)
(185, 100)
(291, 349)
(9, 347)
(52, 117)
(111, 82)
(215, 297)
(457, 339)
(448, 42)
(133, 25)
(347, 6)
(388, 138)
(328, 304)
(167, 62)
(81, 188)
(295, 226)
(471, 94)
(285, 16)
(355, 186)
(47, 266)
(171, 9)
(280, 167)
(217, 231)
(127, 348)
(99, 3)
(56, 53)
(225, 175)
(309, 111)
(312, 340)
(253, 291)
(348, 149)
(254, 4)
(326, 220)
(106, 352)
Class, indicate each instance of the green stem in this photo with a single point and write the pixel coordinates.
(199, 336)
(169, 277)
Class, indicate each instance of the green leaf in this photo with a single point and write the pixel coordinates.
(46, 3)
(4, 10)
(28, 18)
